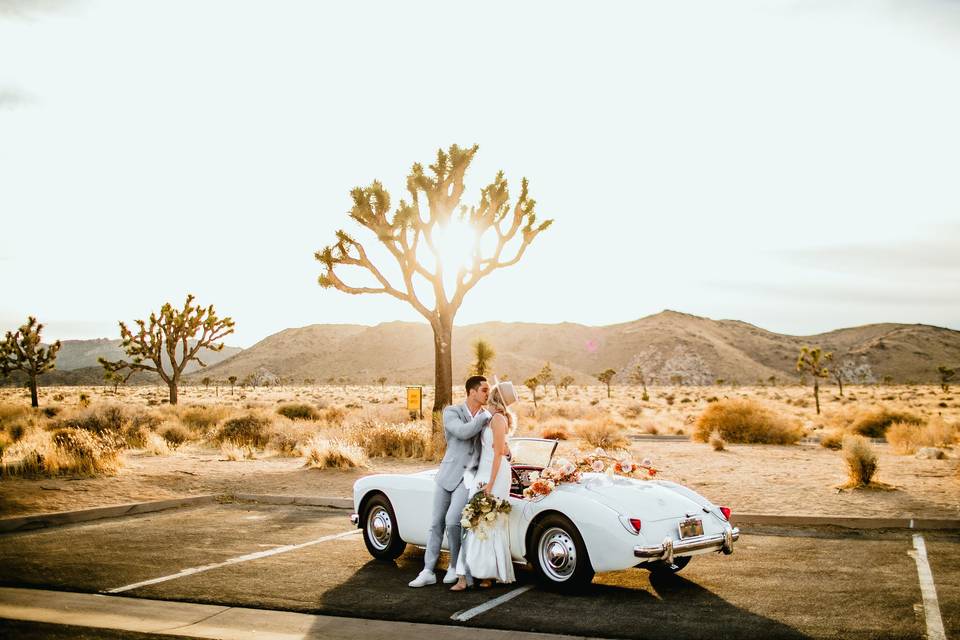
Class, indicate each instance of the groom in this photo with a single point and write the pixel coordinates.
(462, 424)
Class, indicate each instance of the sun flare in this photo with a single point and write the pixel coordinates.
(455, 244)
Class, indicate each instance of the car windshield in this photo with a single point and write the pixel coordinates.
(534, 452)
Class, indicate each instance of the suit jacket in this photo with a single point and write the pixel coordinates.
(463, 444)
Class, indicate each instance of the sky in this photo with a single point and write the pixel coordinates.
(788, 163)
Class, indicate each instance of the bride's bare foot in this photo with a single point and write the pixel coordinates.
(461, 584)
(485, 584)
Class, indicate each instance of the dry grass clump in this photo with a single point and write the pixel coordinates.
(832, 440)
(874, 421)
(602, 433)
(745, 421)
(717, 441)
(233, 451)
(555, 429)
(397, 440)
(175, 435)
(201, 419)
(323, 453)
(861, 460)
(250, 429)
(298, 411)
(906, 438)
(68, 451)
(155, 445)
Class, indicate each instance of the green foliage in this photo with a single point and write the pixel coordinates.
(298, 411)
(946, 375)
(22, 351)
(483, 355)
(606, 376)
(248, 430)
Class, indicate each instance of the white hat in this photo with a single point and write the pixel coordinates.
(507, 393)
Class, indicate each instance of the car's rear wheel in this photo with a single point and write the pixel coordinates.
(380, 532)
(662, 567)
(559, 555)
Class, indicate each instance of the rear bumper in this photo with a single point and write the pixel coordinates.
(669, 548)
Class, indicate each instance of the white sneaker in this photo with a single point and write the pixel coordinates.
(451, 576)
(423, 579)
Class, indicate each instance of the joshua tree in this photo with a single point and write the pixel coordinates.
(565, 382)
(22, 351)
(772, 380)
(483, 355)
(113, 378)
(809, 361)
(382, 380)
(232, 380)
(308, 381)
(205, 382)
(946, 375)
(546, 377)
(532, 384)
(412, 235)
(605, 377)
(166, 334)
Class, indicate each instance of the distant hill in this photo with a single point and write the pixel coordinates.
(668, 346)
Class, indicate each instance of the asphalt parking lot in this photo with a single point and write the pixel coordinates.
(780, 583)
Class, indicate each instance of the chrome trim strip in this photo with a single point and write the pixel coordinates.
(670, 548)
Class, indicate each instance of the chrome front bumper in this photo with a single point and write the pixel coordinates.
(355, 519)
(665, 551)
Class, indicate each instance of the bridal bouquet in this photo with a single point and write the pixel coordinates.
(482, 511)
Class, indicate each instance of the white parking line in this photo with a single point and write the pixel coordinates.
(250, 556)
(931, 608)
(466, 614)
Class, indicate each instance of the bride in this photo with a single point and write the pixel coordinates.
(487, 556)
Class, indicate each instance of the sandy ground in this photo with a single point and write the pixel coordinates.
(794, 480)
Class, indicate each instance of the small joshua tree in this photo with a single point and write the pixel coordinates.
(532, 384)
(546, 377)
(946, 375)
(382, 380)
(205, 382)
(232, 380)
(565, 382)
(639, 376)
(605, 377)
(21, 351)
(169, 334)
(809, 361)
(483, 355)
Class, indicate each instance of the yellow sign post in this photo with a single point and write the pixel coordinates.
(415, 401)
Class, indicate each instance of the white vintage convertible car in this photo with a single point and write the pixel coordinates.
(602, 523)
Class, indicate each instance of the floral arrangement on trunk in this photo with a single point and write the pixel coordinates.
(563, 470)
(482, 511)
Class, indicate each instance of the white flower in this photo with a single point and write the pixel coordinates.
(533, 476)
(465, 523)
(599, 452)
(646, 462)
(597, 465)
(626, 466)
(491, 516)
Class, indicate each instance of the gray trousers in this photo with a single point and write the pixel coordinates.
(447, 508)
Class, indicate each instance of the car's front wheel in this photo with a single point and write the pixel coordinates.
(559, 555)
(380, 529)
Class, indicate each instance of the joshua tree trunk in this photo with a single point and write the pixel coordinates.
(840, 382)
(443, 379)
(608, 389)
(34, 401)
(172, 383)
(816, 393)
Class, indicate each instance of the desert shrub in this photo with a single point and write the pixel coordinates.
(874, 422)
(832, 440)
(249, 429)
(716, 441)
(669, 398)
(12, 413)
(175, 435)
(554, 430)
(906, 437)
(322, 453)
(155, 444)
(746, 421)
(107, 419)
(861, 460)
(651, 429)
(201, 419)
(74, 451)
(602, 433)
(712, 399)
(233, 451)
(50, 412)
(632, 410)
(83, 400)
(333, 415)
(298, 411)
(398, 440)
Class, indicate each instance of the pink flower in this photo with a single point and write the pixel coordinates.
(597, 466)
(646, 462)
(626, 466)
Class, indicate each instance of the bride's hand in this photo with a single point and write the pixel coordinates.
(486, 489)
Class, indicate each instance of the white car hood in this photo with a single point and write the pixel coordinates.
(638, 498)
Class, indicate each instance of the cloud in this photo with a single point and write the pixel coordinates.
(12, 98)
(26, 8)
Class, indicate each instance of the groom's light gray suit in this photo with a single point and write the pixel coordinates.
(450, 496)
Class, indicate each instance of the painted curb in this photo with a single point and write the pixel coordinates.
(43, 520)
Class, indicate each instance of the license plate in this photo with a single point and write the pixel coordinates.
(691, 528)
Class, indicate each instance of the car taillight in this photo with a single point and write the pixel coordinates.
(726, 512)
(635, 523)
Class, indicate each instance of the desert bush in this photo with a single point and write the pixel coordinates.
(234, 451)
(175, 435)
(632, 410)
(12, 414)
(861, 460)
(398, 440)
(555, 430)
(67, 451)
(832, 440)
(746, 421)
(155, 444)
(874, 422)
(322, 453)
(906, 437)
(50, 412)
(298, 411)
(716, 441)
(201, 419)
(602, 433)
(249, 429)
(106, 419)
(333, 415)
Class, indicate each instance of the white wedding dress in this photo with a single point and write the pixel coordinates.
(488, 555)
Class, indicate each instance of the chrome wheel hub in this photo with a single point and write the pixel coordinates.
(379, 527)
(558, 554)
